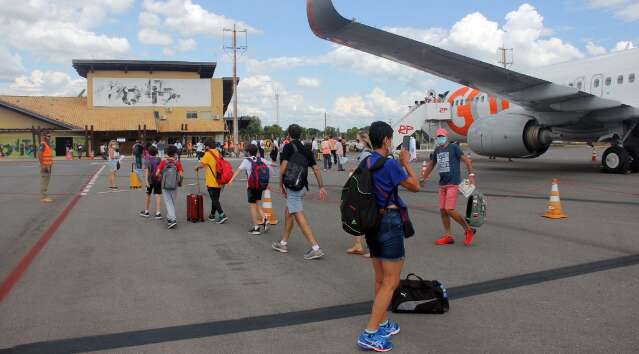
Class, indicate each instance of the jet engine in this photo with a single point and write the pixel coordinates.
(509, 134)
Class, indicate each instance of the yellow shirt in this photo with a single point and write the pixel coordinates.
(209, 161)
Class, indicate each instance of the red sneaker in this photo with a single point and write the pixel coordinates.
(445, 240)
(470, 234)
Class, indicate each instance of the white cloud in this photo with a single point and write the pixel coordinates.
(308, 81)
(257, 97)
(594, 49)
(187, 45)
(623, 45)
(627, 10)
(60, 31)
(49, 83)
(10, 64)
(153, 36)
(187, 19)
(169, 52)
(352, 106)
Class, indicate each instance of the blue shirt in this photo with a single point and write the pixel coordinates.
(386, 180)
(448, 164)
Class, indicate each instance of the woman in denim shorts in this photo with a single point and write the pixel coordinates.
(386, 245)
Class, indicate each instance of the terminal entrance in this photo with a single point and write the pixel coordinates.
(61, 145)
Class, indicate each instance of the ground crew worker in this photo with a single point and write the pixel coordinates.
(45, 155)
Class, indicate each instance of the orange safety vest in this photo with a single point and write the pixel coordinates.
(46, 156)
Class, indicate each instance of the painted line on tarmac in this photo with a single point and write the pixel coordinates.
(92, 181)
(217, 328)
(22, 266)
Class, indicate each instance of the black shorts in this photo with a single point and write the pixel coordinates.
(254, 195)
(156, 188)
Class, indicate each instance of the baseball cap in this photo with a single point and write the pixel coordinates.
(441, 132)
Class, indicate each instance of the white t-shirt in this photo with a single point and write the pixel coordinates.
(339, 149)
(314, 145)
(246, 165)
(254, 142)
(413, 148)
(199, 147)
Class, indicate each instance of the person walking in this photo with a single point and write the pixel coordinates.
(315, 148)
(209, 164)
(326, 152)
(138, 159)
(103, 151)
(250, 166)
(113, 162)
(171, 173)
(178, 146)
(295, 161)
(339, 150)
(45, 156)
(189, 149)
(386, 244)
(152, 184)
(333, 144)
(365, 148)
(80, 149)
(161, 148)
(199, 149)
(448, 159)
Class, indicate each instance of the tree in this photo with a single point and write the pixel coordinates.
(273, 131)
(352, 133)
(331, 131)
(312, 132)
(253, 129)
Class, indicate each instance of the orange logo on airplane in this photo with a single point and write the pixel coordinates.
(465, 110)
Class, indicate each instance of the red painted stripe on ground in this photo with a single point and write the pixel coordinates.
(17, 272)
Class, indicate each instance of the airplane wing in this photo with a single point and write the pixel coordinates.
(524, 90)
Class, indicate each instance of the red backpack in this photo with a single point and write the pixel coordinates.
(224, 169)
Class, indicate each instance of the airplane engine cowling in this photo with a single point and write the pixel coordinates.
(509, 134)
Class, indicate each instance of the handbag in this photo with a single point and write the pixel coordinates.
(118, 165)
(407, 225)
(420, 296)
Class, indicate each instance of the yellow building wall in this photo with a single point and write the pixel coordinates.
(177, 115)
(14, 120)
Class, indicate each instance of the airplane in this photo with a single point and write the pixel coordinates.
(504, 113)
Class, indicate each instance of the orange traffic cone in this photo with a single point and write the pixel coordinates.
(594, 154)
(267, 205)
(554, 205)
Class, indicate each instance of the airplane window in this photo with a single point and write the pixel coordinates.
(597, 82)
(608, 81)
(631, 78)
(619, 79)
(580, 85)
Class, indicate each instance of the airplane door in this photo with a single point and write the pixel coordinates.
(596, 85)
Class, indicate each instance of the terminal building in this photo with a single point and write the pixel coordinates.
(124, 100)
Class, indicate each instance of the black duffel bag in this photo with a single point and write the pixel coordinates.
(420, 296)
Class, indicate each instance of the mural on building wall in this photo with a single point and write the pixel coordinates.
(13, 146)
(140, 92)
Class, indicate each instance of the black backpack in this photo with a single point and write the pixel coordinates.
(359, 210)
(296, 174)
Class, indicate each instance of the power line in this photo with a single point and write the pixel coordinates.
(235, 48)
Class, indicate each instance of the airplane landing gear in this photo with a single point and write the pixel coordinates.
(617, 159)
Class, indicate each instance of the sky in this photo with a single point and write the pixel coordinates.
(311, 75)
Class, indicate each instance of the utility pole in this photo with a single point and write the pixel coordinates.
(324, 124)
(235, 48)
(277, 107)
(503, 57)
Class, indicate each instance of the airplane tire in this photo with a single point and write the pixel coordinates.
(634, 155)
(616, 160)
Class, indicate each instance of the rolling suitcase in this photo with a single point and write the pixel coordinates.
(134, 180)
(195, 204)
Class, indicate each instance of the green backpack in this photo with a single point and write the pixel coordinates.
(476, 209)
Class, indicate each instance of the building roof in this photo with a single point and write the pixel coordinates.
(75, 114)
(205, 69)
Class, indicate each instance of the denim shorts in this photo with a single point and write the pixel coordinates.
(294, 200)
(387, 243)
(113, 165)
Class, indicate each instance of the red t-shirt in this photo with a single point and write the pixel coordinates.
(178, 166)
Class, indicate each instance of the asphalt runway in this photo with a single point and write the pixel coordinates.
(110, 281)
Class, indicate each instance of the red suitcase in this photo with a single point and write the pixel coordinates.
(195, 205)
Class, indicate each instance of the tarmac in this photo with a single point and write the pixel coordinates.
(87, 274)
